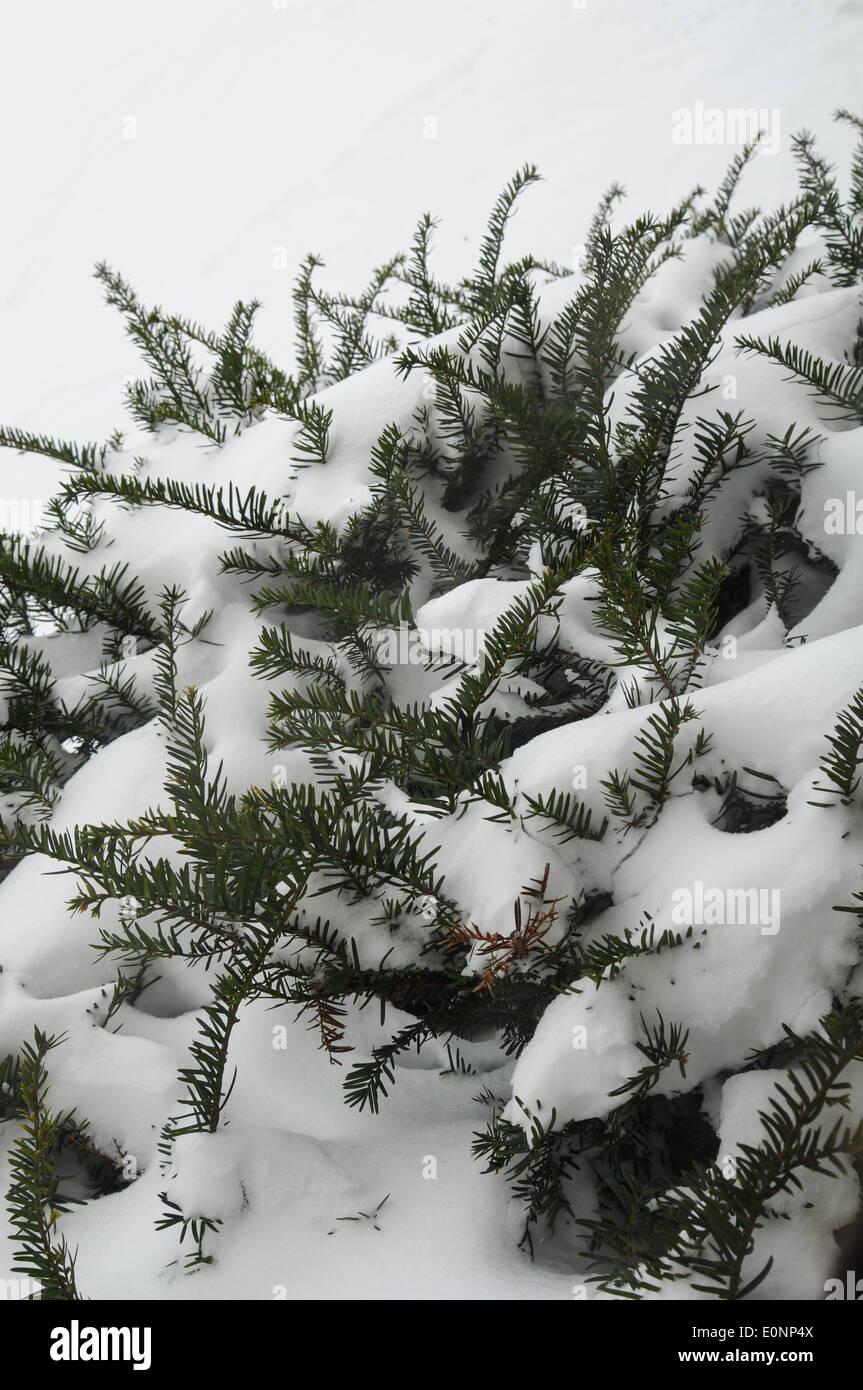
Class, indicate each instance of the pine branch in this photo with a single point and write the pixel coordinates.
(839, 765)
(34, 1197)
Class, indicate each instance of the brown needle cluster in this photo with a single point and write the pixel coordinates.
(532, 922)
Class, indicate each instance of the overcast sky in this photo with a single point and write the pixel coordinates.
(202, 146)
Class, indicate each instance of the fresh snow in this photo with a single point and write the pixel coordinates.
(327, 152)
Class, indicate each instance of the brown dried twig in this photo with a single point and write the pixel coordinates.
(503, 948)
(327, 1019)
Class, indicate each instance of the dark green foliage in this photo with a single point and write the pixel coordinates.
(839, 765)
(34, 1197)
(840, 386)
(519, 468)
(703, 1229)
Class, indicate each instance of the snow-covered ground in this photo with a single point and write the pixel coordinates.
(202, 150)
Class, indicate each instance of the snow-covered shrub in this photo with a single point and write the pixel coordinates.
(524, 705)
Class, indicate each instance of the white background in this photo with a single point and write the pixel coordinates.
(259, 126)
